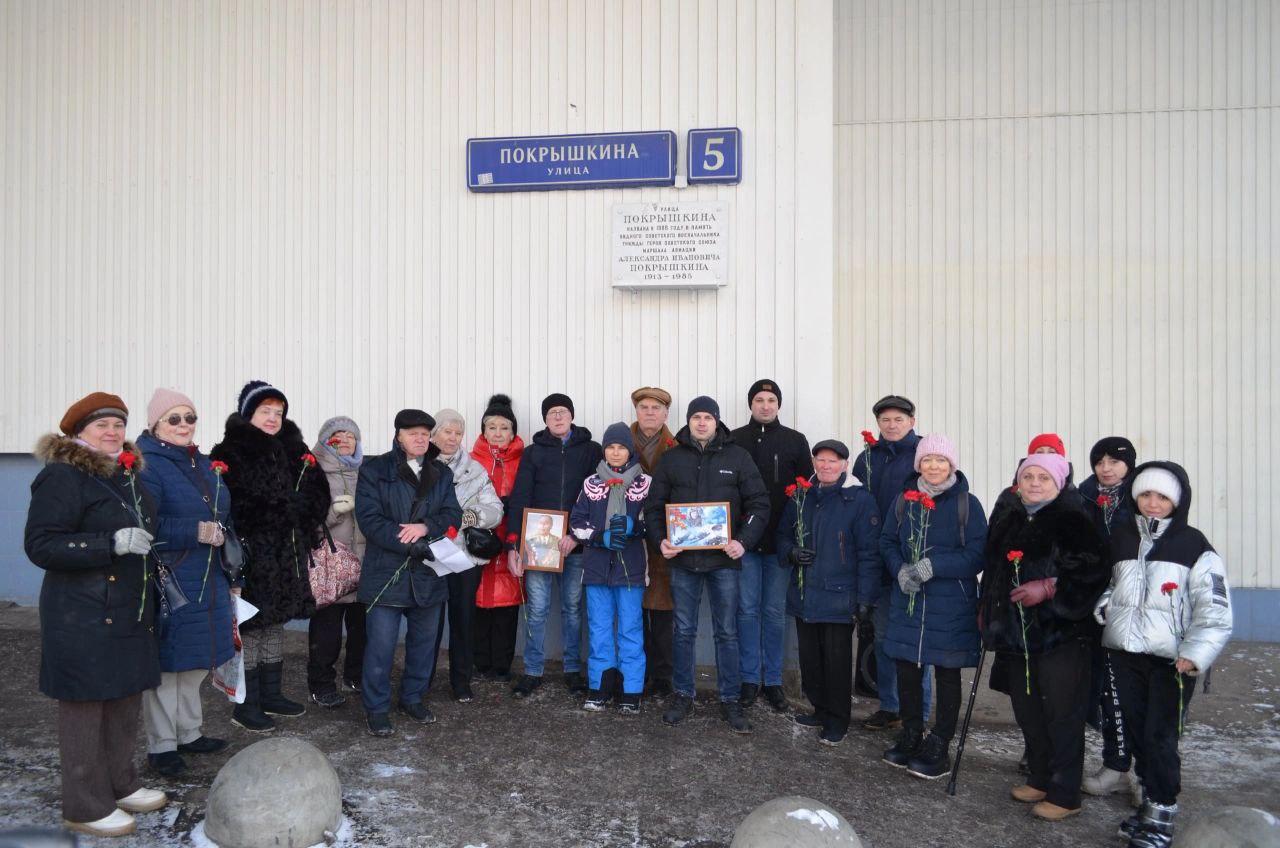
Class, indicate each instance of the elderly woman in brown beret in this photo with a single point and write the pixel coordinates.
(90, 527)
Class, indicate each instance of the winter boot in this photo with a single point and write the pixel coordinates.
(678, 709)
(611, 685)
(731, 712)
(596, 701)
(1156, 829)
(906, 747)
(629, 705)
(273, 702)
(932, 760)
(1106, 781)
(249, 715)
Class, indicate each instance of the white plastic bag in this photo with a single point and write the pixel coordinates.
(229, 677)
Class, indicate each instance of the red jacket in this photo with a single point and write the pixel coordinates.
(498, 588)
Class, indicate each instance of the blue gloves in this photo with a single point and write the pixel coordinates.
(623, 525)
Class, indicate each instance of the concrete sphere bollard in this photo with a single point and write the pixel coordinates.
(277, 793)
(794, 822)
(1232, 827)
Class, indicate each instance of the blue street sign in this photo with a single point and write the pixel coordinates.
(715, 156)
(549, 162)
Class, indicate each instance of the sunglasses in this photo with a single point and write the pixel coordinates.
(175, 419)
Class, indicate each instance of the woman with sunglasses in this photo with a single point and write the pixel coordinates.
(191, 509)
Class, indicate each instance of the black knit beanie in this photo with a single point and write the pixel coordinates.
(254, 393)
(702, 403)
(551, 401)
(500, 405)
(1116, 447)
(764, 385)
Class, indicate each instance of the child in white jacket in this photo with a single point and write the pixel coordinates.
(1167, 615)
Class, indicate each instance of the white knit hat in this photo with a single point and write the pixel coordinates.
(1158, 480)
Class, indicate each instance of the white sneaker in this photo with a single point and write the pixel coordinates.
(143, 801)
(1106, 781)
(119, 823)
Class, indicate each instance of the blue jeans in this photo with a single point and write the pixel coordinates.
(762, 617)
(625, 651)
(887, 667)
(382, 631)
(686, 592)
(538, 586)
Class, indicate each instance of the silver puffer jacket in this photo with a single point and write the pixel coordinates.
(481, 506)
(1193, 618)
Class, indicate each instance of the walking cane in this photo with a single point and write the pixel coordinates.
(964, 729)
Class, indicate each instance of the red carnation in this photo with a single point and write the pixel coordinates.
(671, 443)
(127, 459)
(309, 459)
(452, 532)
(803, 483)
(1104, 500)
(615, 481)
(512, 538)
(334, 442)
(1013, 556)
(928, 502)
(219, 467)
(868, 439)
(790, 491)
(1168, 588)
(913, 495)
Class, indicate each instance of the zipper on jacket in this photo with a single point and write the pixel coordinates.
(775, 469)
(924, 604)
(840, 535)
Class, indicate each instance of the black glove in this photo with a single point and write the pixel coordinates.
(421, 549)
(866, 630)
(802, 557)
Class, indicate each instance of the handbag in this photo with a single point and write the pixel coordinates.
(334, 572)
(233, 553)
(481, 543)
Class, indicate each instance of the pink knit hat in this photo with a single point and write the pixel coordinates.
(1057, 466)
(163, 401)
(939, 444)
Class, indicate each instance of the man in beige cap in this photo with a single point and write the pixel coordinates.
(652, 438)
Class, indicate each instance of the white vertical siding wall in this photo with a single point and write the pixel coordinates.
(1065, 216)
(196, 194)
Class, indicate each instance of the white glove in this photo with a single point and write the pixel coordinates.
(1100, 615)
(132, 540)
(343, 504)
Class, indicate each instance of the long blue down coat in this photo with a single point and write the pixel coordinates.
(942, 628)
(183, 486)
(842, 526)
(388, 495)
(601, 566)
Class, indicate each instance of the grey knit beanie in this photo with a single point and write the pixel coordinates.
(333, 425)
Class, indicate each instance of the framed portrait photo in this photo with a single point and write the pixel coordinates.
(540, 538)
(698, 526)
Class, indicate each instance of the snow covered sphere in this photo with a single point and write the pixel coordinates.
(1232, 827)
(277, 793)
(794, 822)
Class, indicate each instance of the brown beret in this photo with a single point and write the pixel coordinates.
(90, 408)
(661, 396)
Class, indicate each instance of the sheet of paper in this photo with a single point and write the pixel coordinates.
(450, 558)
(244, 610)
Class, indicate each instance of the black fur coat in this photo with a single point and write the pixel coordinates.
(1058, 541)
(279, 526)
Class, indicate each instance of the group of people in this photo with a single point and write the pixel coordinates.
(1101, 604)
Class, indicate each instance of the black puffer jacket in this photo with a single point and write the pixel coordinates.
(279, 525)
(551, 473)
(782, 455)
(97, 631)
(1058, 541)
(722, 471)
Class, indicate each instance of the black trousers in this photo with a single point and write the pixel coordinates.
(1052, 717)
(1148, 688)
(946, 688)
(324, 643)
(493, 635)
(659, 627)
(462, 612)
(826, 671)
(1115, 742)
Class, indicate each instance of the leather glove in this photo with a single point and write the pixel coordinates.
(1034, 592)
(209, 533)
(470, 518)
(132, 540)
(421, 549)
(802, 557)
(343, 504)
(622, 525)
(866, 630)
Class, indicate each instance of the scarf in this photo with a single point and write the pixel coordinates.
(352, 461)
(1112, 494)
(933, 491)
(618, 494)
(647, 446)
